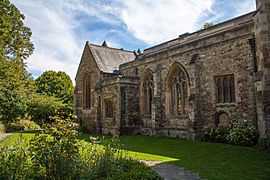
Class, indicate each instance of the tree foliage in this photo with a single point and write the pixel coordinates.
(56, 84)
(207, 25)
(15, 88)
(15, 46)
(15, 40)
(41, 107)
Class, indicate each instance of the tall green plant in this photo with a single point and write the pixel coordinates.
(55, 153)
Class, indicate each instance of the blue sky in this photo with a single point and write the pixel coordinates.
(61, 27)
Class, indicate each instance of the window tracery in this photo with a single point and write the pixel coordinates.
(225, 89)
(148, 92)
(178, 89)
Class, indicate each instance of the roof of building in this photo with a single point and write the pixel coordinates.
(108, 59)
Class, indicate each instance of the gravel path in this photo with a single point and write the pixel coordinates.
(171, 172)
(3, 136)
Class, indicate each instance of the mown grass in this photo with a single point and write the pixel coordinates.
(210, 160)
(15, 138)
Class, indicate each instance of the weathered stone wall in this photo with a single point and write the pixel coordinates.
(87, 66)
(124, 93)
(238, 47)
(225, 49)
(110, 90)
(262, 39)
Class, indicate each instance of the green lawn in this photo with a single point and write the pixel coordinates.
(210, 160)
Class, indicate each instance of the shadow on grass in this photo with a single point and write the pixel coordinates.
(210, 160)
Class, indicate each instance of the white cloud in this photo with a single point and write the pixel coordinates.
(160, 20)
(60, 28)
(53, 36)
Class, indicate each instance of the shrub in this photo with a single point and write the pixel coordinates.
(125, 169)
(22, 125)
(243, 133)
(15, 161)
(216, 134)
(41, 107)
(56, 153)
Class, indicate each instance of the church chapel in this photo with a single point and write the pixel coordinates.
(178, 88)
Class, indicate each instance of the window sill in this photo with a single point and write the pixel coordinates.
(226, 104)
(180, 116)
(109, 118)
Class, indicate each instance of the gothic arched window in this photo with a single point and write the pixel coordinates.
(86, 92)
(147, 91)
(178, 90)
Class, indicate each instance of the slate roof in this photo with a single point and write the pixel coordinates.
(108, 59)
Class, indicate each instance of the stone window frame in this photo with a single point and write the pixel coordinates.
(177, 111)
(108, 108)
(147, 93)
(225, 89)
(87, 91)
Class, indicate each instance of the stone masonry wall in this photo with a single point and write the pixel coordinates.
(238, 47)
(224, 52)
(90, 116)
(110, 90)
(262, 35)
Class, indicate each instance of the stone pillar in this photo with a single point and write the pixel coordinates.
(194, 85)
(157, 104)
(262, 84)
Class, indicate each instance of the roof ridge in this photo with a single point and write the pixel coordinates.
(110, 48)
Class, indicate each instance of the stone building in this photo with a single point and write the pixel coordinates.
(178, 88)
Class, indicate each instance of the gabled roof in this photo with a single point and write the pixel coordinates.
(108, 59)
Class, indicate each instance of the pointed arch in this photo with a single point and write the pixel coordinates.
(147, 92)
(177, 90)
(87, 92)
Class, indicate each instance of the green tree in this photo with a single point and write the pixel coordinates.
(15, 88)
(56, 84)
(15, 46)
(15, 40)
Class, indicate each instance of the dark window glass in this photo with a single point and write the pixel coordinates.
(225, 89)
(87, 92)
